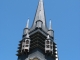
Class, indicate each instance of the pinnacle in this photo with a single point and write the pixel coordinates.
(50, 27)
(27, 23)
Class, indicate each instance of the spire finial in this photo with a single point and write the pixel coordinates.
(50, 27)
(40, 15)
(27, 23)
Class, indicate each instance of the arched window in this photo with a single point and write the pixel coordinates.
(27, 41)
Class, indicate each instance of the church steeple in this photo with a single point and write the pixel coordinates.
(40, 13)
(38, 41)
(40, 16)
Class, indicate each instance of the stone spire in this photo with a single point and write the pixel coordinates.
(27, 23)
(50, 26)
(50, 31)
(40, 16)
(40, 13)
(26, 29)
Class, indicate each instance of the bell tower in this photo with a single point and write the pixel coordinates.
(38, 41)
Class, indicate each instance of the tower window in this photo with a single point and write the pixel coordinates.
(27, 42)
(47, 46)
(26, 45)
(47, 42)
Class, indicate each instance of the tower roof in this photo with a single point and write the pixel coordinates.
(40, 15)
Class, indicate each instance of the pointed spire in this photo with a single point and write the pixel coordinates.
(50, 26)
(40, 15)
(27, 23)
(26, 30)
